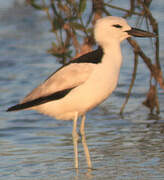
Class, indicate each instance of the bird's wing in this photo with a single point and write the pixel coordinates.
(67, 77)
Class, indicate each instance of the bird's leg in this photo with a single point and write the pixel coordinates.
(82, 125)
(84, 142)
(75, 139)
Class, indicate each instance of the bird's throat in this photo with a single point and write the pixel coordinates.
(112, 55)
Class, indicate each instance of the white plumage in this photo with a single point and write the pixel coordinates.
(89, 93)
(79, 86)
(93, 82)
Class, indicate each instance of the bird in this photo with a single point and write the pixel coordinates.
(84, 82)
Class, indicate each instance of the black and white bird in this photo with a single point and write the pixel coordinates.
(85, 82)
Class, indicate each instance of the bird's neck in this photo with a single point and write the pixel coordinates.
(112, 54)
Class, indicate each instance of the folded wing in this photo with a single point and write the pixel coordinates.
(61, 82)
(68, 77)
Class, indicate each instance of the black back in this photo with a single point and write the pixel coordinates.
(91, 57)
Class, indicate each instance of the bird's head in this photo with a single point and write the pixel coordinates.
(115, 29)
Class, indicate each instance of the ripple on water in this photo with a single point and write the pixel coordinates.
(34, 146)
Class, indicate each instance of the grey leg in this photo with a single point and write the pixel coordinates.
(82, 126)
(75, 139)
(84, 142)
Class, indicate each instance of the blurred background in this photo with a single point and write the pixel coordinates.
(33, 146)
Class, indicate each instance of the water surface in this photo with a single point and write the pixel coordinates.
(34, 146)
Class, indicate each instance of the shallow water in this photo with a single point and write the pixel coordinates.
(33, 146)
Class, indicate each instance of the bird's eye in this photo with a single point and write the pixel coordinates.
(117, 26)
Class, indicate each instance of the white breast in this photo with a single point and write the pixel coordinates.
(81, 99)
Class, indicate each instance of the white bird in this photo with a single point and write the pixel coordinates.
(84, 82)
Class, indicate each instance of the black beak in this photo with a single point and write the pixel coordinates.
(140, 33)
